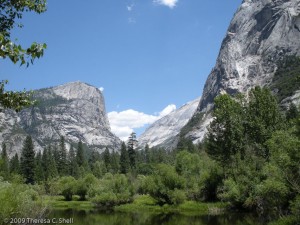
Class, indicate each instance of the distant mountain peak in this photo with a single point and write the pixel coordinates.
(164, 132)
(75, 110)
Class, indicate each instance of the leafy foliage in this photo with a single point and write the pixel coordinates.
(259, 153)
(165, 185)
(19, 200)
(83, 185)
(15, 100)
(226, 133)
(263, 118)
(10, 12)
(66, 187)
(112, 190)
(287, 77)
(250, 160)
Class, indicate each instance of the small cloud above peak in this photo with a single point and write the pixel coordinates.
(169, 3)
(130, 7)
(101, 89)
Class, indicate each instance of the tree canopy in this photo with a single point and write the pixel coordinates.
(11, 11)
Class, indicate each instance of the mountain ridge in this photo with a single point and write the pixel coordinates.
(164, 132)
(260, 34)
(75, 110)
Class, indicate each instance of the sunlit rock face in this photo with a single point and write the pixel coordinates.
(164, 132)
(74, 110)
(260, 33)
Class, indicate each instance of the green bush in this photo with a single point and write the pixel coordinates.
(177, 196)
(295, 208)
(81, 189)
(83, 186)
(286, 220)
(271, 195)
(165, 185)
(65, 186)
(107, 199)
(233, 192)
(19, 200)
(112, 190)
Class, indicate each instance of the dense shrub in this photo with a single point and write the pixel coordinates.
(19, 200)
(83, 185)
(64, 186)
(112, 190)
(165, 185)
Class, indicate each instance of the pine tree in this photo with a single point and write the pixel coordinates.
(124, 159)
(4, 169)
(131, 152)
(45, 162)
(82, 160)
(94, 157)
(147, 153)
(61, 162)
(50, 170)
(114, 162)
(39, 170)
(55, 155)
(27, 161)
(73, 166)
(15, 164)
(80, 156)
(107, 159)
(292, 112)
(99, 169)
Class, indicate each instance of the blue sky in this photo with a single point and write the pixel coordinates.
(150, 56)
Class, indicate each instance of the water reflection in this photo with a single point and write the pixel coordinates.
(117, 218)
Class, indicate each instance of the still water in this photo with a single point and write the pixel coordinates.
(117, 218)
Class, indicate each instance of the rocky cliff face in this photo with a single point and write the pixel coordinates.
(261, 33)
(164, 132)
(74, 110)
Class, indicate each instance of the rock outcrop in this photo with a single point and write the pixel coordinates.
(261, 33)
(164, 132)
(74, 110)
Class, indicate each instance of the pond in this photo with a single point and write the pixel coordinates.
(80, 217)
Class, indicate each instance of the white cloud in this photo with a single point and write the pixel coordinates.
(130, 7)
(123, 123)
(170, 3)
(122, 132)
(101, 89)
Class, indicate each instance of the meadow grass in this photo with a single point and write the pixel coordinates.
(58, 202)
(142, 203)
(147, 203)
